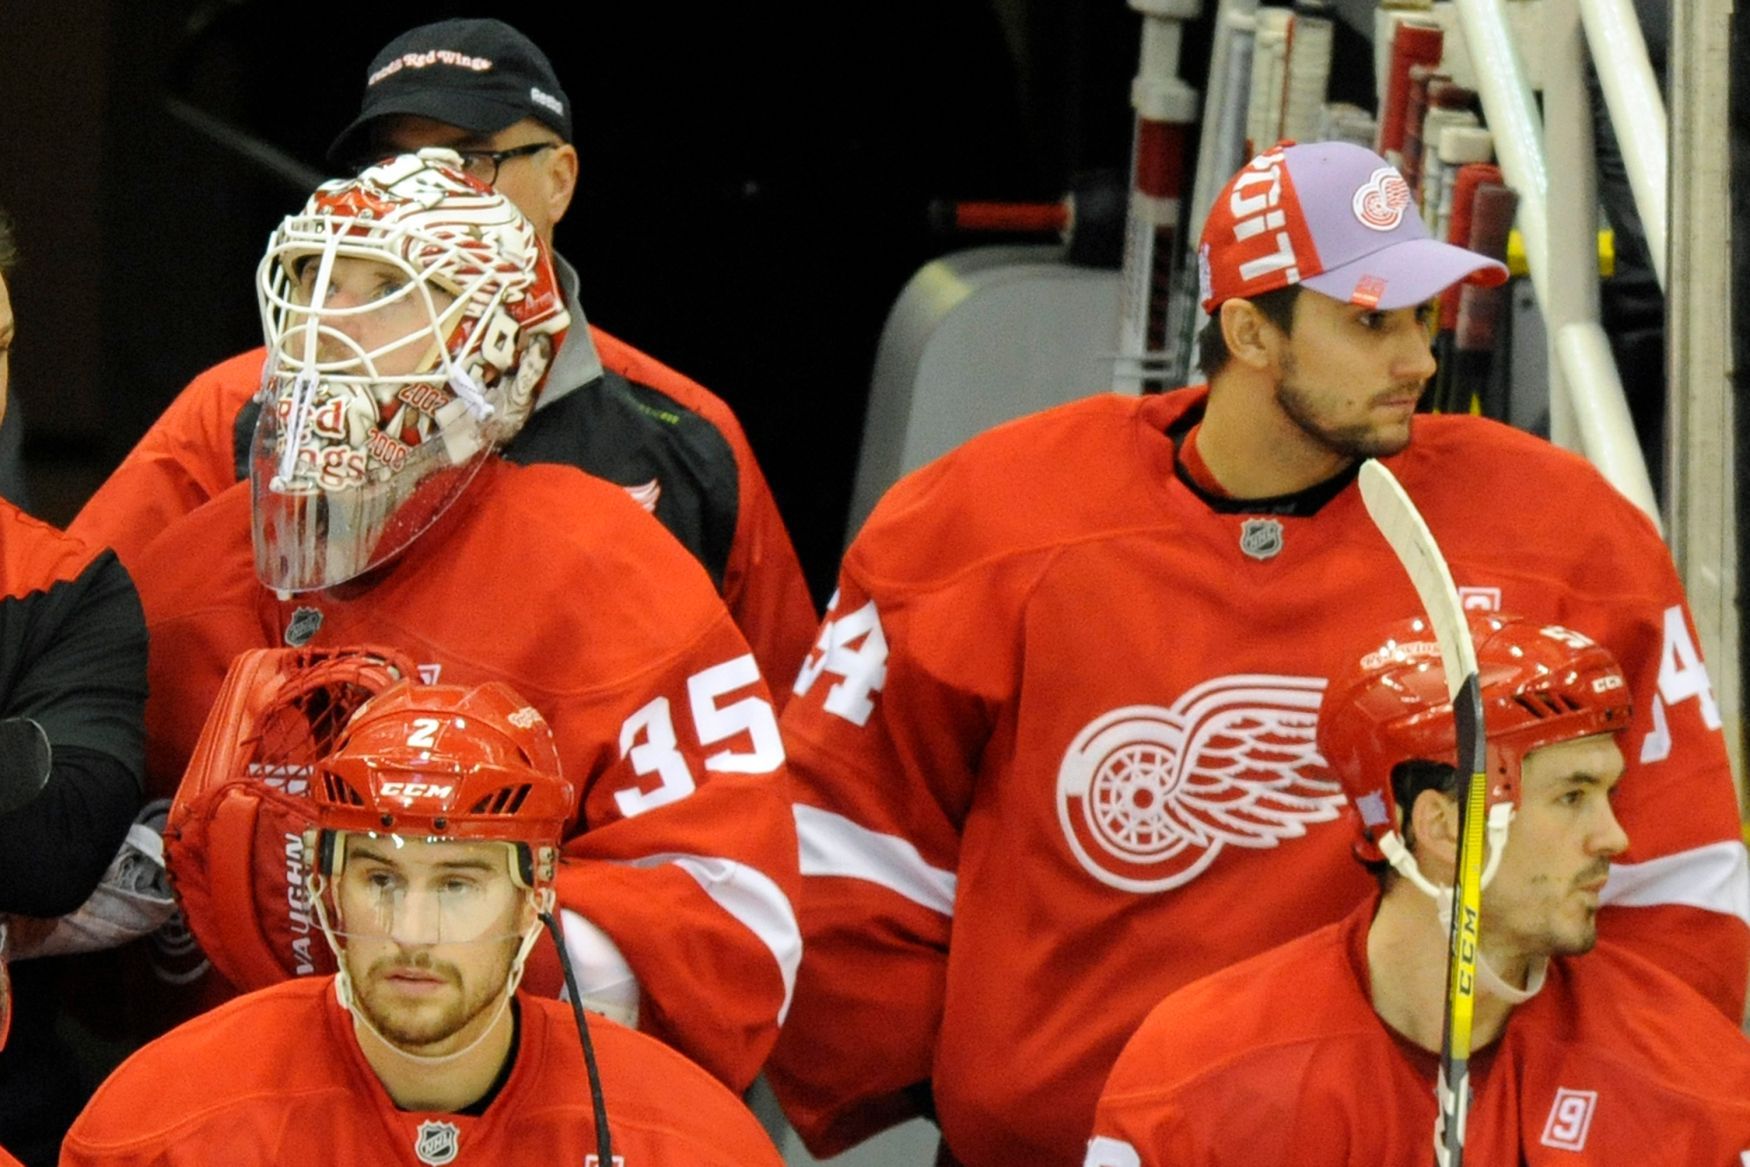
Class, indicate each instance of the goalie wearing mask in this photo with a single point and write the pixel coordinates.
(410, 315)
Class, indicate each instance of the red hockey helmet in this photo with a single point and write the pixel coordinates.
(411, 316)
(447, 763)
(1541, 684)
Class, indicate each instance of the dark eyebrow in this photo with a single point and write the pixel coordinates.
(369, 854)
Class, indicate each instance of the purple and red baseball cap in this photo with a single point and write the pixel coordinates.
(1334, 217)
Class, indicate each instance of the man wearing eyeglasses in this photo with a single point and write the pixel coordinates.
(483, 89)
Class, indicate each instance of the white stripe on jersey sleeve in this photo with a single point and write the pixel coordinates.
(604, 979)
(1715, 878)
(754, 900)
(834, 845)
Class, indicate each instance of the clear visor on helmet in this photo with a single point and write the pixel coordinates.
(368, 429)
(421, 892)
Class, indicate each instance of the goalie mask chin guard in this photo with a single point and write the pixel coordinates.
(1541, 684)
(411, 316)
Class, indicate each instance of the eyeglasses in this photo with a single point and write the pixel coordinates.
(484, 164)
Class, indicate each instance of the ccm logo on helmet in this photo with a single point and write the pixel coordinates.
(416, 790)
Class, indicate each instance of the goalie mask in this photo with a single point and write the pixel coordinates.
(411, 315)
(1541, 684)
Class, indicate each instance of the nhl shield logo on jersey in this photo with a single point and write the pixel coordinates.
(302, 626)
(1261, 538)
(1149, 797)
(437, 1142)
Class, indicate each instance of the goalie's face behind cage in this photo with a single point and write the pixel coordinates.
(411, 315)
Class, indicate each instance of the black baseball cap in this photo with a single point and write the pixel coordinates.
(481, 75)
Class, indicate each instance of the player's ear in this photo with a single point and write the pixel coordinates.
(560, 170)
(1434, 826)
(1251, 339)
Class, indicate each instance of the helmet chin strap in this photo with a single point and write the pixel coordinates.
(1404, 863)
(317, 884)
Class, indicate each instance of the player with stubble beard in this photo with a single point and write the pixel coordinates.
(431, 852)
(1324, 1051)
(1061, 717)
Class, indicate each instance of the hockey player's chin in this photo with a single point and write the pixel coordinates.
(413, 1012)
(417, 1030)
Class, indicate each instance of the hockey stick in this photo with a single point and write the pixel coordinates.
(1398, 520)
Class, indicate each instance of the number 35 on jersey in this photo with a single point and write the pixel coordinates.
(725, 715)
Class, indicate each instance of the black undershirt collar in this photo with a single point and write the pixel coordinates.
(1300, 503)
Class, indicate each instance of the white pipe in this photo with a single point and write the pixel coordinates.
(1222, 141)
(1567, 286)
(1511, 112)
(1605, 429)
(1637, 111)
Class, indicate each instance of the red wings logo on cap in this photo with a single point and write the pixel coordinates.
(1380, 201)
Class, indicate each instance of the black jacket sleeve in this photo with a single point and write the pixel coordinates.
(73, 659)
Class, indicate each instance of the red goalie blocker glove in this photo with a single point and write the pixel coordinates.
(234, 842)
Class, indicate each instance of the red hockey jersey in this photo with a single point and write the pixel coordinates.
(1281, 1059)
(644, 426)
(1059, 724)
(559, 585)
(277, 1077)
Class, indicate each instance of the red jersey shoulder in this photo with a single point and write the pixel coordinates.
(1259, 1003)
(655, 1094)
(262, 1044)
(1461, 463)
(228, 384)
(35, 556)
(201, 560)
(1628, 1010)
(551, 520)
(635, 365)
(1030, 485)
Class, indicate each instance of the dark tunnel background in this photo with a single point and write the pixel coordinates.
(755, 180)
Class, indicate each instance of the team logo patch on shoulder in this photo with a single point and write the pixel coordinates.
(436, 1142)
(1261, 538)
(1479, 599)
(1149, 797)
(1570, 1119)
(646, 494)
